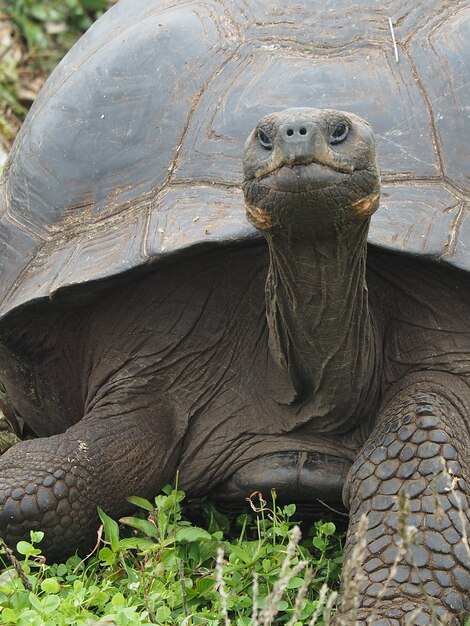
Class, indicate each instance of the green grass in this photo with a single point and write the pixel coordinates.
(160, 568)
(50, 27)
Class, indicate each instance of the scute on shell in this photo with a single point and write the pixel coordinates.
(133, 149)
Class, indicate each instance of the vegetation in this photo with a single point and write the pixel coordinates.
(169, 571)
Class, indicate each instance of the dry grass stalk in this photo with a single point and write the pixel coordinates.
(463, 523)
(331, 602)
(272, 601)
(300, 597)
(438, 510)
(409, 620)
(408, 534)
(220, 585)
(254, 618)
(320, 605)
(353, 577)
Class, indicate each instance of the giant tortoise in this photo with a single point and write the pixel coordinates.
(147, 326)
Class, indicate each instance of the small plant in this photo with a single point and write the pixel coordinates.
(49, 28)
(159, 568)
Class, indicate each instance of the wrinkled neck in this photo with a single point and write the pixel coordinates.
(320, 331)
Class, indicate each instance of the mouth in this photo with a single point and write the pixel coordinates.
(312, 184)
(301, 177)
(341, 167)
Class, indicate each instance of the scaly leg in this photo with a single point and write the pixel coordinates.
(419, 431)
(56, 483)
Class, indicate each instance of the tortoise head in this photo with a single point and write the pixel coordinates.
(307, 168)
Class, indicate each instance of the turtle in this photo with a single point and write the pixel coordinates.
(255, 313)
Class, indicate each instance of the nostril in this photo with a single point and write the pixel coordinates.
(290, 132)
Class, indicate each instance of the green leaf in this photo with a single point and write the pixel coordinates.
(61, 570)
(35, 602)
(319, 543)
(204, 584)
(207, 549)
(118, 600)
(141, 503)
(36, 536)
(289, 510)
(43, 13)
(94, 5)
(106, 555)
(136, 543)
(111, 530)
(9, 615)
(32, 32)
(328, 528)
(163, 614)
(295, 583)
(188, 583)
(239, 554)
(145, 527)
(50, 585)
(24, 547)
(30, 618)
(73, 562)
(194, 554)
(51, 603)
(169, 503)
(192, 533)
(267, 565)
(215, 521)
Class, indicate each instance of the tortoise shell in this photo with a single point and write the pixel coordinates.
(132, 151)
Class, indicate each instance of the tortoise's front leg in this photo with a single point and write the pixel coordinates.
(421, 429)
(56, 483)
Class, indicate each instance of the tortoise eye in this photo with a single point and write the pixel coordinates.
(264, 140)
(340, 133)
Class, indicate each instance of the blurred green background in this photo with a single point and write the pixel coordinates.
(34, 36)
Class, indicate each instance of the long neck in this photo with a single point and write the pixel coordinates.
(320, 330)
